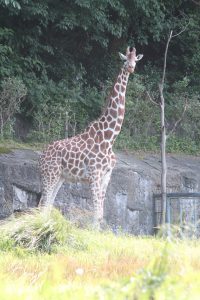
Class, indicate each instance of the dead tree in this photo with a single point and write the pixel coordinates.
(164, 135)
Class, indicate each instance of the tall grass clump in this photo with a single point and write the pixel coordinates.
(173, 232)
(36, 231)
(149, 280)
(144, 284)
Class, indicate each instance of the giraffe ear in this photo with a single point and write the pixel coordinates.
(139, 56)
(122, 56)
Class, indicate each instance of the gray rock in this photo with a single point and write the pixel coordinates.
(129, 199)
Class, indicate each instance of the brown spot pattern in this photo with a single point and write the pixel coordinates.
(108, 134)
(113, 113)
(79, 156)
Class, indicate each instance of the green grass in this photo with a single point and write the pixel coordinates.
(6, 146)
(4, 150)
(123, 143)
(44, 258)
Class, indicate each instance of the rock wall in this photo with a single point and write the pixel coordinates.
(129, 199)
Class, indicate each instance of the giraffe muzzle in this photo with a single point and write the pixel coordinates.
(131, 69)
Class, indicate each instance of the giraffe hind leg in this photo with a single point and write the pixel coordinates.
(105, 181)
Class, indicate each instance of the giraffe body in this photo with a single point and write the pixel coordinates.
(88, 157)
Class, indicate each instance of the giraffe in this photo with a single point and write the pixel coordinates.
(88, 157)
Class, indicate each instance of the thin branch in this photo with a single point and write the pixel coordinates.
(181, 30)
(179, 120)
(151, 99)
(196, 2)
(165, 62)
(166, 51)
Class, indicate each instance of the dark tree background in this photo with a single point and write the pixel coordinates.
(66, 55)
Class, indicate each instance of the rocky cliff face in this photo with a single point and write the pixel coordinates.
(129, 199)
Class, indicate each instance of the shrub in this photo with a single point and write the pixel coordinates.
(61, 109)
(13, 92)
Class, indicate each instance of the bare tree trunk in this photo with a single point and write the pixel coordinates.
(67, 125)
(74, 128)
(163, 139)
(163, 158)
(164, 136)
(1, 125)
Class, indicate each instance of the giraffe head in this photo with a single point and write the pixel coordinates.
(130, 59)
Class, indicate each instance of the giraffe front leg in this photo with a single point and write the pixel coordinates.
(96, 192)
(49, 193)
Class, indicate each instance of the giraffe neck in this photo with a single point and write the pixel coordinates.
(104, 131)
(114, 113)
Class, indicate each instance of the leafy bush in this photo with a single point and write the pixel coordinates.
(183, 145)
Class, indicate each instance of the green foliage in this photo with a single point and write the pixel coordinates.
(182, 145)
(13, 92)
(141, 127)
(141, 123)
(11, 3)
(66, 63)
(60, 105)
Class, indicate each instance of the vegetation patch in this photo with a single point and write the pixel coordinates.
(59, 84)
(37, 231)
(4, 150)
(49, 258)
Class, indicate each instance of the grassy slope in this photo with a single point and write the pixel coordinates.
(91, 265)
